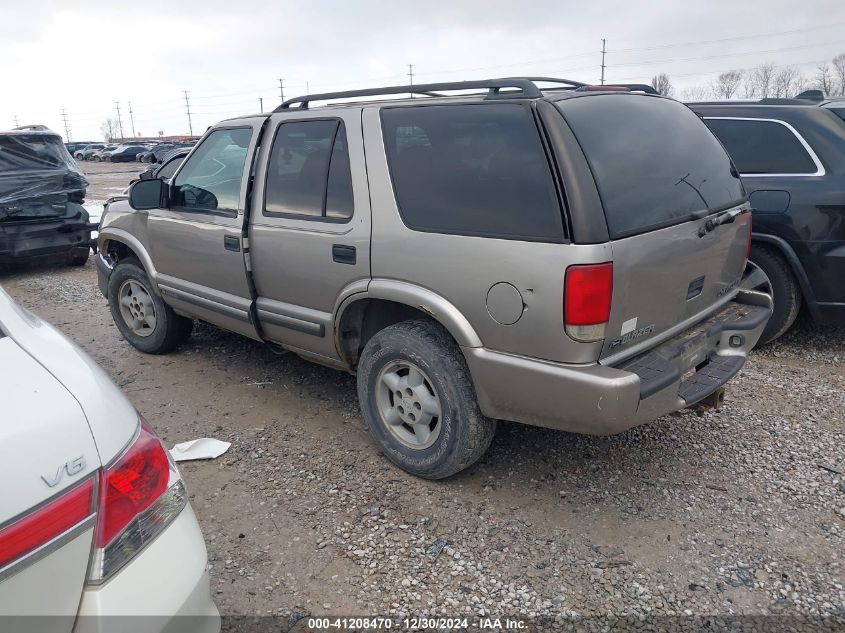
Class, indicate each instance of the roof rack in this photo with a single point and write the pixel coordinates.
(525, 89)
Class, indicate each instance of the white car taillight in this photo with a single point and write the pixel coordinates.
(48, 524)
(140, 494)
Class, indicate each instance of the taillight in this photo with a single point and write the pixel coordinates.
(140, 494)
(588, 291)
(32, 531)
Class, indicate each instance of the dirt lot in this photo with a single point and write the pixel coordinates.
(740, 511)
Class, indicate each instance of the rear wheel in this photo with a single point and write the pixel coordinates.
(79, 258)
(143, 319)
(418, 400)
(770, 273)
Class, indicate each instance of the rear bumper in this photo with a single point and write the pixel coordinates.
(164, 589)
(599, 400)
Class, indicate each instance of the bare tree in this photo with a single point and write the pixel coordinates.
(824, 79)
(839, 71)
(759, 82)
(697, 93)
(787, 83)
(662, 84)
(727, 84)
(109, 128)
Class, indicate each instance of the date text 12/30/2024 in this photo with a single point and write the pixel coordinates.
(414, 624)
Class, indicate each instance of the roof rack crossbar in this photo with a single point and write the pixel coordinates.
(526, 89)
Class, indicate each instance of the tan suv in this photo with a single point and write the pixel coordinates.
(569, 257)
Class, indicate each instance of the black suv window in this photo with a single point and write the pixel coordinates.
(472, 170)
(762, 147)
(655, 163)
(211, 179)
(308, 174)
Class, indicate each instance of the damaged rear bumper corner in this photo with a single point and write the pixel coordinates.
(599, 400)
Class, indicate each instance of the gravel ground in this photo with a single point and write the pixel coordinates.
(737, 512)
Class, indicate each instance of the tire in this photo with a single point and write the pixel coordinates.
(80, 258)
(786, 294)
(165, 332)
(457, 434)
(97, 159)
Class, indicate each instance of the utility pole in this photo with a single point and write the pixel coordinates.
(132, 118)
(67, 130)
(603, 52)
(307, 87)
(411, 76)
(261, 103)
(119, 120)
(16, 120)
(282, 89)
(188, 110)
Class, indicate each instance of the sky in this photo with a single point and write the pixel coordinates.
(86, 56)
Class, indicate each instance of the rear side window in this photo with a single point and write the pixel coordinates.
(654, 161)
(762, 147)
(472, 170)
(309, 174)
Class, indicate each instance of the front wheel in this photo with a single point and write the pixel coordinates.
(418, 401)
(142, 317)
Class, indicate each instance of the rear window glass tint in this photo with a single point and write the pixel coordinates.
(472, 170)
(654, 161)
(762, 147)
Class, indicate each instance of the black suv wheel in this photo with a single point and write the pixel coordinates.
(782, 285)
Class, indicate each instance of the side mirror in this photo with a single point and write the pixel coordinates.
(148, 194)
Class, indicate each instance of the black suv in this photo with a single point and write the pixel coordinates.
(791, 156)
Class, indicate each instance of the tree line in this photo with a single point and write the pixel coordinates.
(764, 81)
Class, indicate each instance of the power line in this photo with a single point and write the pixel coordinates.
(132, 118)
(64, 118)
(188, 110)
(119, 120)
(603, 52)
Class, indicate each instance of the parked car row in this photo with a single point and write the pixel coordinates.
(143, 152)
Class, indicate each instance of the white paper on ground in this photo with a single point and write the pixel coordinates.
(203, 448)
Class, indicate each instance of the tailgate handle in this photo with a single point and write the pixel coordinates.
(695, 288)
(343, 254)
(231, 243)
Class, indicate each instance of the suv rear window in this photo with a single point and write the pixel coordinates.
(654, 161)
(472, 170)
(762, 147)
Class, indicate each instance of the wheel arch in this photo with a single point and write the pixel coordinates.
(782, 247)
(386, 302)
(119, 244)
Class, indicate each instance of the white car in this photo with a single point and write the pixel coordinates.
(94, 516)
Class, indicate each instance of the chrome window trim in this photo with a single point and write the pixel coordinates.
(820, 171)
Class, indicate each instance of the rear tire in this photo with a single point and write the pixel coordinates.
(418, 401)
(79, 259)
(142, 317)
(786, 294)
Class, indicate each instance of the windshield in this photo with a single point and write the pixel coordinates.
(654, 161)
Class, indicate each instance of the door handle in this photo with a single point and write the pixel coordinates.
(231, 243)
(343, 254)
